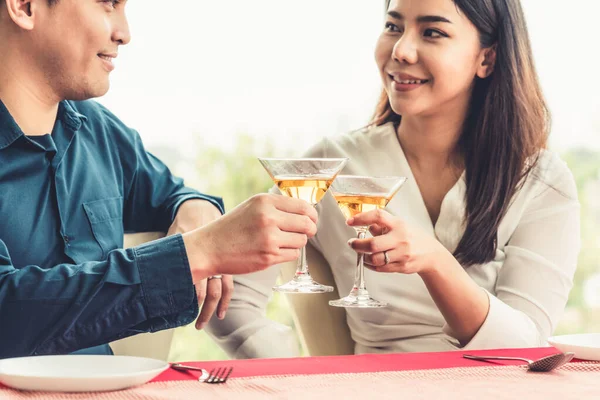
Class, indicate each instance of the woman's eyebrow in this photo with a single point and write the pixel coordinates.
(422, 18)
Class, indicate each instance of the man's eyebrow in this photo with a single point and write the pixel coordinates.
(422, 18)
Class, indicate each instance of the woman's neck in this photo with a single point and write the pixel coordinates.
(432, 142)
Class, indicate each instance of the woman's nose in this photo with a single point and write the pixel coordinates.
(405, 50)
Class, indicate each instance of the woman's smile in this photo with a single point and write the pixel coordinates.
(403, 82)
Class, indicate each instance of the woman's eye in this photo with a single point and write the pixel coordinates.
(390, 27)
(434, 33)
(112, 3)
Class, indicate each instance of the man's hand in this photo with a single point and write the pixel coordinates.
(213, 294)
(263, 231)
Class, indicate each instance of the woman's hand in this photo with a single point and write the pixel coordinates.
(408, 249)
(461, 301)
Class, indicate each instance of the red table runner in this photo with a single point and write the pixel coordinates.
(355, 364)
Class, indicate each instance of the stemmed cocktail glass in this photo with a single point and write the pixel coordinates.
(356, 194)
(307, 179)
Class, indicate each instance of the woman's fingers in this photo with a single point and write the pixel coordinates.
(376, 217)
(373, 244)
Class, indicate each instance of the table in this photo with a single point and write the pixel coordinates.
(409, 376)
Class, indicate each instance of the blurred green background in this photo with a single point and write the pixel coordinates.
(235, 174)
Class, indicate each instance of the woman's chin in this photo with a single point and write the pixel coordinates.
(408, 108)
(404, 110)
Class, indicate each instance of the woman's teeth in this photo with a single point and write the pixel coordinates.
(409, 82)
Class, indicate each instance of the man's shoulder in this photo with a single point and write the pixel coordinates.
(101, 120)
(95, 112)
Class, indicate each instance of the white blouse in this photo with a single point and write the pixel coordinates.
(528, 282)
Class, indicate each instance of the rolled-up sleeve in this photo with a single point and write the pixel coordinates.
(68, 307)
(534, 282)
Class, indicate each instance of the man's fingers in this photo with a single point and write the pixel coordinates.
(201, 291)
(213, 295)
(226, 293)
(286, 255)
(296, 223)
(288, 240)
(200, 295)
(295, 206)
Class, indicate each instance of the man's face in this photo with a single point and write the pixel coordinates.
(74, 43)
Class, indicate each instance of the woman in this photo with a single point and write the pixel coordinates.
(482, 240)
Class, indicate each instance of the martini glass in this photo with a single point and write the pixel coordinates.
(307, 179)
(356, 194)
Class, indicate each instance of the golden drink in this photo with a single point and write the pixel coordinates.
(310, 189)
(352, 204)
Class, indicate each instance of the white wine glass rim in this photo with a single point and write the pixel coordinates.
(303, 159)
(401, 178)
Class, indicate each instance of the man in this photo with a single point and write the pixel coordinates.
(73, 179)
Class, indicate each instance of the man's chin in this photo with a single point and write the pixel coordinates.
(89, 93)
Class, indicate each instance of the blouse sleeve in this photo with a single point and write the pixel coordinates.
(540, 260)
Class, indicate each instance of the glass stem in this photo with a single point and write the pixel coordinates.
(359, 280)
(302, 268)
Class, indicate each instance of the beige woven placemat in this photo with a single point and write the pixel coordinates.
(573, 381)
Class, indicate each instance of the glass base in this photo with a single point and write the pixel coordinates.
(352, 301)
(302, 286)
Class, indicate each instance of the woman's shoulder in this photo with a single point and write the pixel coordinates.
(550, 170)
(362, 140)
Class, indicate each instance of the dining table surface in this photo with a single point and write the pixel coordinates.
(441, 375)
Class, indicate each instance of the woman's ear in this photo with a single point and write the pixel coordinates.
(488, 62)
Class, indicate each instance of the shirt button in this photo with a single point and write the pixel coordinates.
(66, 239)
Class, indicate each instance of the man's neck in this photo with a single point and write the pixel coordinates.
(27, 97)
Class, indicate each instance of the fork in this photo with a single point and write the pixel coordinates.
(216, 375)
(219, 375)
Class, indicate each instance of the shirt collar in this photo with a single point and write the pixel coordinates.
(10, 131)
(69, 116)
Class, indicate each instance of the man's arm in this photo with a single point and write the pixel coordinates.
(147, 288)
(153, 194)
(68, 307)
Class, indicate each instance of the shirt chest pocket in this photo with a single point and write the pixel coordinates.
(106, 219)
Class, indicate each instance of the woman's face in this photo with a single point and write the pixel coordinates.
(429, 55)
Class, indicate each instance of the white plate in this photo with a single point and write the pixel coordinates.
(586, 346)
(78, 373)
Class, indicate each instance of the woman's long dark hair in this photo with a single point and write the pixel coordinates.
(507, 125)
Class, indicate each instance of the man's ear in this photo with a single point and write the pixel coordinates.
(22, 12)
(488, 62)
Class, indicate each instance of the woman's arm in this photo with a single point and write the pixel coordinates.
(533, 283)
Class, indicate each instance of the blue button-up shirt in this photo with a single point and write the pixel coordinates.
(66, 200)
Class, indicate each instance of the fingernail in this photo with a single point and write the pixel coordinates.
(201, 326)
(350, 242)
(350, 221)
(221, 315)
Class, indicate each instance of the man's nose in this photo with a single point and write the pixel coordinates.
(121, 32)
